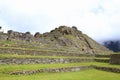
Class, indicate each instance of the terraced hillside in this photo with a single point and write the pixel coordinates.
(62, 54)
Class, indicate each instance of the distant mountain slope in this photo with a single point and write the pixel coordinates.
(113, 45)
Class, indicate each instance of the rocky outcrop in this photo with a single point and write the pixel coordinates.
(37, 35)
(70, 38)
(12, 35)
(3, 36)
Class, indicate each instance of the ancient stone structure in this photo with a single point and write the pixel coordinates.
(12, 35)
(115, 59)
(63, 36)
(66, 69)
(39, 52)
(109, 69)
(69, 45)
(41, 60)
(102, 60)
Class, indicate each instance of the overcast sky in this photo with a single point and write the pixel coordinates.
(100, 19)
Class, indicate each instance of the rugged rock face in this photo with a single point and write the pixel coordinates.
(12, 35)
(63, 38)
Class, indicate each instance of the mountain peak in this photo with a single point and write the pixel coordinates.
(63, 38)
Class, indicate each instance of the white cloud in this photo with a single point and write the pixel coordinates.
(4, 26)
(97, 18)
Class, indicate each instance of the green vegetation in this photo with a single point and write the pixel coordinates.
(8, 68)
(105, 64)
(7, 42)
(103, 58)
(31, 56)
(40, 49)
(52, 42)
(82, 75)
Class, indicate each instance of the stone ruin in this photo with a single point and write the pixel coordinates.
(59, 37)
(115, 59)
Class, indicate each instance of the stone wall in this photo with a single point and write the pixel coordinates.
(115, 59)
(102, 60)
(109, 69)
(3, 36)
(37, 52)
(106, 56)
(65, 69)
(41, 60)
(12, 35)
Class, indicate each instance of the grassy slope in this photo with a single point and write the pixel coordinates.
(82, 75)
(31, 56)
(7, 68)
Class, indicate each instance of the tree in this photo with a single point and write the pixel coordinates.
(0, 27)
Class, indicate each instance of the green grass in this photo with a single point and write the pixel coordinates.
(39, 49)
(103, 58)
(8, 68)
(7, 42)
(81, 75)
(105, 64)
(31, 56)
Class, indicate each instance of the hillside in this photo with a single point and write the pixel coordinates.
(63, 38)
(62, 54)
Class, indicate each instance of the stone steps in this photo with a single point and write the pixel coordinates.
(102, 56)
(51, 70)
(42, 60)
(102, 60)
(65, 69)
(24, 51)
(109, 69)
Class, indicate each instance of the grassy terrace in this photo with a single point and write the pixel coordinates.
(105, 64)
(82, 75)
(45, 50)
(30, 56)
(102, 58)
(8, 68)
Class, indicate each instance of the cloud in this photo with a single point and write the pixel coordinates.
(100, 19)
(4, 26)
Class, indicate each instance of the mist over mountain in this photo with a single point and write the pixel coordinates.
(113, 45)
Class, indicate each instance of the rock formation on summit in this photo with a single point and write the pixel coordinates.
(62, 38)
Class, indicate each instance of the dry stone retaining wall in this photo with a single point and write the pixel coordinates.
(97, 55)
(102, 60)
(109, 69)
(65, 69)
(115, 59)
(41, 60)
(37, 52)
